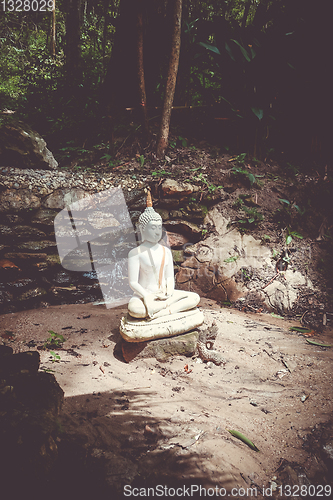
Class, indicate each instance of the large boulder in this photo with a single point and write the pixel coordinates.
(228, 266)
(22, 147)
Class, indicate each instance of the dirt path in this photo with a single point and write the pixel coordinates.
(153, 423)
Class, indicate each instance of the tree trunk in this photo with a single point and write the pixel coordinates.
(163, 135)
(73, 41)
(53, 31)
(141, 74)
(105, 33)
(246, 13)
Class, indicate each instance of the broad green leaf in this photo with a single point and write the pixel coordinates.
(299, 329)
(243, 51)
(251, 220)
(258, 112)
(289, 239)
(231, 259)
(318, 343)
(243, 438)
(252, 179)
(284, 201)
(210, 47)
(298, 235)
(228, 49)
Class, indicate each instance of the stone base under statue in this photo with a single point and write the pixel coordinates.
(138, 330)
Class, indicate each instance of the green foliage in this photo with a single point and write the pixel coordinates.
(266, 238)
(252, 217)
(160, 173)
(141, 160)
(211, 187)
(227, 62)
(55, 357)
(54, 341)
(288, 206)
(231, 259)
(178, 141)
(292, 234)
(243, 172)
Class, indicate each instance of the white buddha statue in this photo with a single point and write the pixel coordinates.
(156, 308)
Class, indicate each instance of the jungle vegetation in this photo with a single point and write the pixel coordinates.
(249, 75)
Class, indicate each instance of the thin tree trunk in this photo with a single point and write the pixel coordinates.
(141, 74)
(163, 137)
(105, 33)
(73, 41)
(53, 31)
(246, 13)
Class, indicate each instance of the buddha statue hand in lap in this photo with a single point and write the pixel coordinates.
(151, 277)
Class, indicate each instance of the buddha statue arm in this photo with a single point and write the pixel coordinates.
(133, 274)
(169, 274)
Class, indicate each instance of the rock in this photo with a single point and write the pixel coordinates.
(30, 404)
(28, 232)
(20, 284)
(5, 350)
(17, 201)
(62, 198)
(32, 294)
(13, 219)
(215, 218)
(172, 187)
(163, 213)
(178, 256)
(184, 275)
(37, 245)
(6, 233)
(161, 349)
(184, 227)
(5, 297)
(196, 212)
(282, 295)
(215, 269)
(63, 278)
(169, 203)
(102, 220)
(44, 217)
(22, 147)
(25, 256)
(176, 240)
(135, 199)
(53, 260)
(21, 362)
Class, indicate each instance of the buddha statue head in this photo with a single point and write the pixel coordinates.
(150, 223)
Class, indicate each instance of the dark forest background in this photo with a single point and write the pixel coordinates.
(254, 75)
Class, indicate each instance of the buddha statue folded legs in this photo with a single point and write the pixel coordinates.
(156, 309)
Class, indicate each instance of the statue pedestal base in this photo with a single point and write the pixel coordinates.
(138, 330)
(161, 349)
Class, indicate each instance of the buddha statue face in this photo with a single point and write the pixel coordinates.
(150, 224)
(152, 231)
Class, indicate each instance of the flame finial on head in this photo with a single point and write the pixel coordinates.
(149, 199)
(149, 215)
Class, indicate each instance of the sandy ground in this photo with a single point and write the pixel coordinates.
(166, 424)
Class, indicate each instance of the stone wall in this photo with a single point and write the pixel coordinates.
(30, 403)
(30, 271)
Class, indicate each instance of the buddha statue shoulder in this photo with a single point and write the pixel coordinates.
(156, 309)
